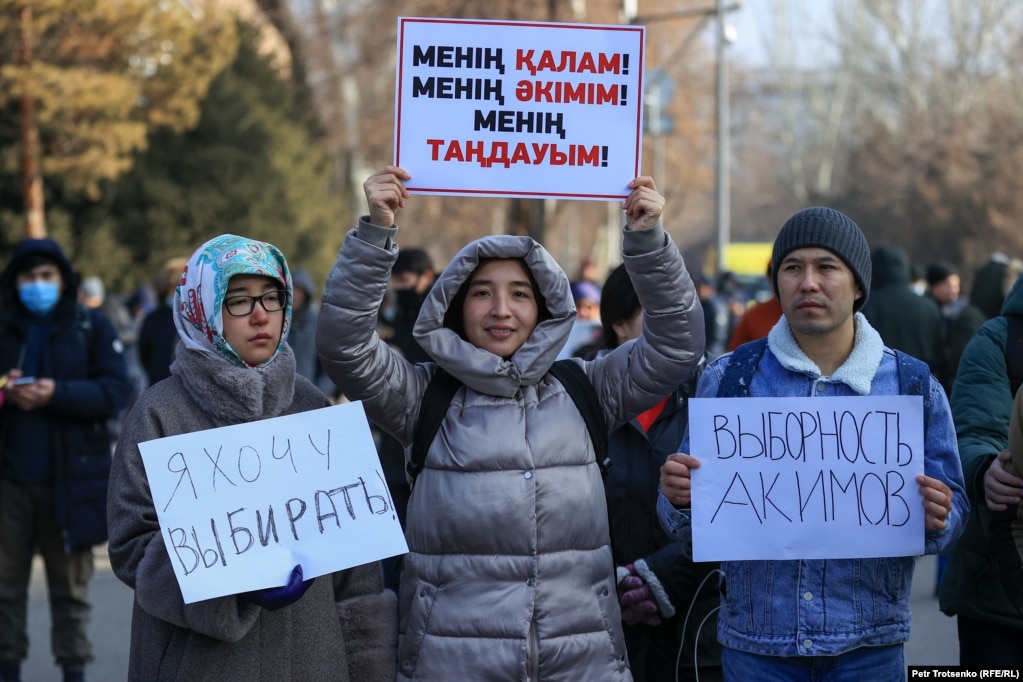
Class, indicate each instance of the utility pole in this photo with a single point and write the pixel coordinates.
(32, 179)
(724, 142)
(725, 35)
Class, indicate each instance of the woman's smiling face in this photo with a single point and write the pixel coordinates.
(500, 310)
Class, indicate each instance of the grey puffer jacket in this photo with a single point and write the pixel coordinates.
(342, 629)
(509, 574)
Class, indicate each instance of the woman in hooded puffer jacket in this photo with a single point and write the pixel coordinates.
(509, 574)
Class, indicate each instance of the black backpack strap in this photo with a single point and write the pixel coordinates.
(578, 386)
(432, 408)
(1014, 351)
(442, 388)
(741, 365)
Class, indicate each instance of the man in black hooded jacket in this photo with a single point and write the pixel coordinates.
(64, 376)
(905, 320)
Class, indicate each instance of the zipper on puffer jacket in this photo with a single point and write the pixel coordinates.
(533, 653)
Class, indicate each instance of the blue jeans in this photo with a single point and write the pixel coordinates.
(879, 664)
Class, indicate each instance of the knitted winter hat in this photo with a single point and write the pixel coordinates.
(939, 272)
(585, 291)
(828, 229)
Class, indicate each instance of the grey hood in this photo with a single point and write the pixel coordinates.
(481, 369)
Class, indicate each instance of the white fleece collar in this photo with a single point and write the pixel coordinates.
(858, 370)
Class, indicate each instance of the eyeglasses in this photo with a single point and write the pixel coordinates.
(240, 306)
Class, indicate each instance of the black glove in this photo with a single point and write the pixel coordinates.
(275, 598)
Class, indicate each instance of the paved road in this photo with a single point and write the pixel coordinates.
(933, 640)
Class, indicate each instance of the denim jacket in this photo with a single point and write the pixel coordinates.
(825, 607)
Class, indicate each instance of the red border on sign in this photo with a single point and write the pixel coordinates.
(584, 27)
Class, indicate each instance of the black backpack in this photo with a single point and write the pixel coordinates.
(442, 387)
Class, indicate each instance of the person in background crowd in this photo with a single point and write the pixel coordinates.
(943, 285)
(664, 595)
(64, 377)
(588, 273)
(584, 338)
(943, 288)
(233, 365)
(730, 287)
(302, 337)
(586, 296)
(412, 277)
(93, 294)
(717, 318)
(990, 626)
(991, 283)
(141, 302)
(757, 321)
(509, 573)
(905, 321)
(158, 335)
(844, 620)
(917, 278)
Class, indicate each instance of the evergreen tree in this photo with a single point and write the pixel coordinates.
(250, 167)
(102, 74)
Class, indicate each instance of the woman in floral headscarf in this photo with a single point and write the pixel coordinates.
(232, 310)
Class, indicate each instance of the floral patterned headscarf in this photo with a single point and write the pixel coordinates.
(199, 297)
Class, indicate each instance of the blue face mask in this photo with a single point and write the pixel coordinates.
(39, 296)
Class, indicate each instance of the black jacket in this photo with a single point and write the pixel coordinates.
(631, 489)
(157, 339)
(85, 358)
(905, 321)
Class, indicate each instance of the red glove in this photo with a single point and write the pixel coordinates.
(637, 600)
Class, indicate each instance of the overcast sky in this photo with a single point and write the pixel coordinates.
(756, 27)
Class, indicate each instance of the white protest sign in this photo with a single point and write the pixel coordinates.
(240, 506)
(807, 478)
(519, 109)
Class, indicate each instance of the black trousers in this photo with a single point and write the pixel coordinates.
(986, 645)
